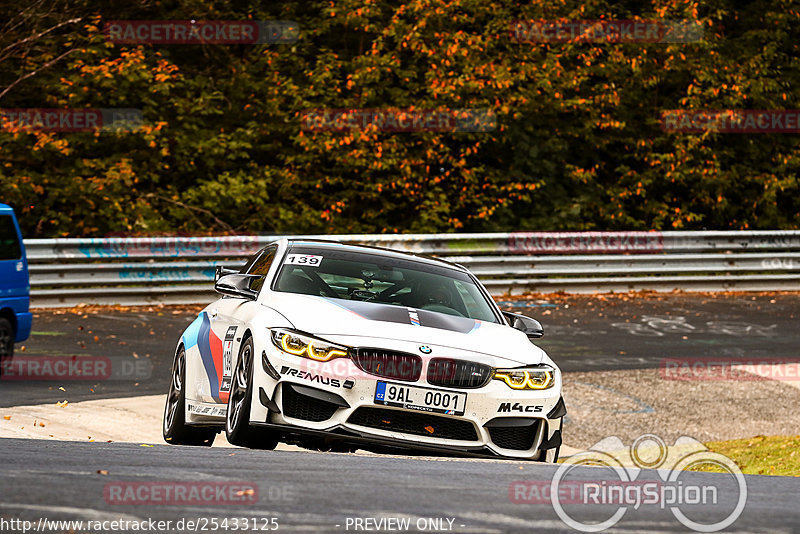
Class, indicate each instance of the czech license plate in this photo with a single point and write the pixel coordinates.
(422, 399)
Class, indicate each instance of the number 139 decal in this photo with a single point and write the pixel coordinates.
(227, 359)
(303, 259)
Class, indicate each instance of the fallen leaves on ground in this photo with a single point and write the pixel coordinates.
(93, 308)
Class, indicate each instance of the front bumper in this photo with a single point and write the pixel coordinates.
(24, 323)
(336, 399)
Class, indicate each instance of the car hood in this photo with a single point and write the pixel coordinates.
(324, 316)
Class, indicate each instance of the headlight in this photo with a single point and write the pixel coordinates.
(309, 347)
(539, 377)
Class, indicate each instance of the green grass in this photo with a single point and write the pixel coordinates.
(35, 333)
(762, 455)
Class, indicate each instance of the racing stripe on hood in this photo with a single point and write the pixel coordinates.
(403, 315)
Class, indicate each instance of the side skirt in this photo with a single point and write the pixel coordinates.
(205, 414)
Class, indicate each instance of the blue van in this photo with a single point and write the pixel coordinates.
(15, 287)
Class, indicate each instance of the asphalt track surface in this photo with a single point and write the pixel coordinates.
(582, 333)
(318, 492)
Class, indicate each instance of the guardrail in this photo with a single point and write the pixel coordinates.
(180, 270)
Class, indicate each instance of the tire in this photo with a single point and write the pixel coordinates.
(6, 342)
(174, 427)
(6, 338)
(237, 419)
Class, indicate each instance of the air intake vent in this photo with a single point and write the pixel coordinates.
(414, 423)
(388, 364)
(301, 406)
(514, 437)
(458, 374)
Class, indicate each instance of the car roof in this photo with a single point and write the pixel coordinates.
(5, 207)
(381, 251)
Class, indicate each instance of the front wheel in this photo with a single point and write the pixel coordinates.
(237, 419)
(175, 429)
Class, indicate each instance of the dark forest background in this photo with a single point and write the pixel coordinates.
(578, 144)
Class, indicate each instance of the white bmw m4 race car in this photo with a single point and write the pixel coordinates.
(337, 347)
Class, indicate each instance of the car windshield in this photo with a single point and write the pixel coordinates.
(381, 279)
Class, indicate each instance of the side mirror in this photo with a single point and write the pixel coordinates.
(236, 285)
(530, 327)
(221, 271)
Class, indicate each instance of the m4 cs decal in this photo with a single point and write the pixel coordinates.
(507, 407)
